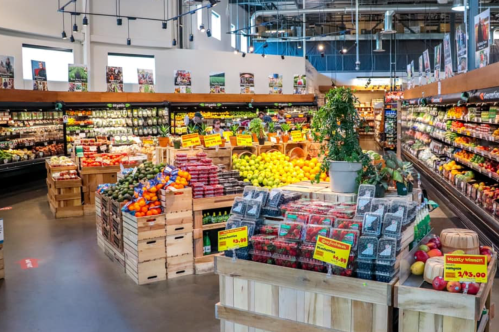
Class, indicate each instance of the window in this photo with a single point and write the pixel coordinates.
(244, 44)
(233, 36)
(216, 25)
(130, 64)
(199, 14)
(56, 61)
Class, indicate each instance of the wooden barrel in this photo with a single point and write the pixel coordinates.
(434, 267)
(460, 239)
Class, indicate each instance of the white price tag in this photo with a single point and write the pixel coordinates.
(93, 148)
(273, 139)
(83, 135)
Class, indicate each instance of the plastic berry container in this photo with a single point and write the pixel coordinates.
(263, 242)
(380, 205)
(275, 198)
(269, 230)
(371, 224)
(307, 250)
(239, 206)
(392, 225)
(289, 248)
(248, 192)
(385, 277)
(385, 266)
(312, 265)
(201, 155)
(348, 236)
(261, 256)
(312, 232)
(300, 217)
(399, 208)
(366, 191)
(253, 208)
(251, 225)
(368, 247)
(271, 212)
(365, 264)
(348, 224)
(289, 230)
(343, 213)
(344, 272)
(348, 204)
(286, 261)
(363, 206)
(320, 219)
(366, 275)
(387, 249)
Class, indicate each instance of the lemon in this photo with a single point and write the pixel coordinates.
(417, 268)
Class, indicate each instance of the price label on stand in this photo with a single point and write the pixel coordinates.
(212, 140)
(244, 140)
(332, 252)
(465, 268)
(297, 136)
(233, 238)
(190, 140)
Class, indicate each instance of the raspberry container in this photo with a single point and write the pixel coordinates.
(318, 219)
(343, 213)
(289, 230)
(307, 250)
(286, 261)
(312, 265)
(348, 236)
(289, 248)
(261, 257)
(312, 232)
(300, 217)
(344, 272)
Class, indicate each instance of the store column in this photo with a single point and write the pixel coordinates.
(471, 8)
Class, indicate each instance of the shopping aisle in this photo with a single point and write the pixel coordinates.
(76, 288)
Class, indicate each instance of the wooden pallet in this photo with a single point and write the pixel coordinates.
(98, 204)
(64, 197)
(275, 298)
(176, 200)
(143, 228)
(427, 310)
(179, 266)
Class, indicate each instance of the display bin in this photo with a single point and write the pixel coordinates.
(2, 263)
(98, 204)
(178, 229)
(176, 200)
(145, 250)
(287, 147)
(115, 208)
(172, 153)
(117, 233)
(56, 169)
(92, 177)
(179, 266)
(270, 147)
(178, 245)
(147, 272)
(64, 197)
(427, 310)
(143, 228)
(220, 156)
(274, 298)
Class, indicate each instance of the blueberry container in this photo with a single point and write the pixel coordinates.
(367, 275)
(392, 225)
(275, 198)
(365, 264)
(368, 247)
(387, 249)
(385, 277)
(253, 209)
(371, 224)
(384, 266)
(363, 206)
(239, 206)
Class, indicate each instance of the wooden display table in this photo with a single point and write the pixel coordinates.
(220, 156)
(92, 177)
(278, 299)
(167, 155)
(427, 310)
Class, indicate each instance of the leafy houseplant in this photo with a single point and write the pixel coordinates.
(272, 132)
(285, 128)
(202, 132)
(177, 142)
(256, 128)
(379, 177)
(235, 130)
(164, 136)
(335, 125)
(191, 129)
(401, 172)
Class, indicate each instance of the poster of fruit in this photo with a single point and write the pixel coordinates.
(145, 77)
(482, 32)
(299, 84)
(247, 83)
(217, 82)
(275, 84)
(182, 77)
(6, 72)
(114, 79)
(78, 78)
(426, 60)
(447, 57)
(461, 49)
(437, 61)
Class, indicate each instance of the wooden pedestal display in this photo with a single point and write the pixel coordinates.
(64, 197)
(273, 298)
(2, 262)
(427, 310)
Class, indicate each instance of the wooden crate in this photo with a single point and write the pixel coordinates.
(178, 229)
(329, 196)
(427, 310)
(172, 153)
(220, 156)
(143, 228)
(94, 176)
(64, 197)
(161, 155)
(291, 145)
(275, 298)
(270, 147)
(56, 169)
(112, 253)
(306, 192)
(117, 233)
(209, 203)
(115, 208)
(98, 204)
(106, 232)
(147, 272)
(179, 266)
(178, 245)
(105, 203)
(106, 219)
(179, 218)
(2, 263)
(144, 250)
(176, 200)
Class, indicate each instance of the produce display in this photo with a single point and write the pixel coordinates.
(93, 159)
(61, 161)
(274, 169)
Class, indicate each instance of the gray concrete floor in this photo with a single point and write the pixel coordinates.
(76, 288)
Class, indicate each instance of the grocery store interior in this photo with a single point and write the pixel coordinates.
(232, 165)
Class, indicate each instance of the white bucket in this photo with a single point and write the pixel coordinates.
(343, 176)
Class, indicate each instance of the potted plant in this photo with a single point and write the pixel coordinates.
(191, 129)
(164, 136)
(272, 132)
(177, 142)
(235, 130)
(379, 177)
(335, 125)
(202, 133)
(401, 172)
(256, 128)
(285, 136)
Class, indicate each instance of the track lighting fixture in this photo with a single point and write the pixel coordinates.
(208, 33)
(191, 37)
(174, 42)
(213, 3)
(72, 38)
(244, 55)
(322, 55)
(320, 47)
(282, 57)
(129, 41)
(119, 21)
(85, 21)
(201, 28)
(343, 50)
(64, 36)
(251, 49)
(164, 25)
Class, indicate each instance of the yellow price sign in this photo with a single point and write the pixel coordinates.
(332, 252)
(233, 238)
(227, 134)
(244, 140)
(465, 268)
(212, 140)
(297, 136)
(190, 140)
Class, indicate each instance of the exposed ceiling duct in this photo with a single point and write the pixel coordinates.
(379, 43)
(389, 22)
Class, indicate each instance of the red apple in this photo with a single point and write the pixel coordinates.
(454, 286)
(434, 253)
(421, 256)
(435, 240)
(471, 288)
(432, 245)
(487, 247)
(439, 283)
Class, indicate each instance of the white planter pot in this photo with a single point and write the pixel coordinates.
(343, 176)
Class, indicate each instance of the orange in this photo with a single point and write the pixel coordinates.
(138, 214)
(149, 213)
(144, 209)
(153, 190)
(159, 186)
(157, 203)
(154, 198)
(131, 207)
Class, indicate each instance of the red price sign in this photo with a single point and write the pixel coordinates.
(465, 268)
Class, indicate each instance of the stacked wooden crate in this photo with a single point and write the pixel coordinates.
(116, 224)
(144, 242)
(177, 204)
(92, 177)
(105, 217)
(220, 156)
(64, 196)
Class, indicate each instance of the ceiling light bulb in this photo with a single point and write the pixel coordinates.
(72, 38)
(164, 25)
(174, 42)
(208, 33)
(119, 21)
(344, 50)
(320, 47)
(251, 49)
(129, 41)
(191, 37)
(64, 36)
(201, 27)
(85, 21)
(299, 45)
(75, 28)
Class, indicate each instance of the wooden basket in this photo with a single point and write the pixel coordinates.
(460, 239)
(296, 153)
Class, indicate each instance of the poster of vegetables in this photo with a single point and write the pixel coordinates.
(145, 77)
(275, 84)
(6, 72)
(114, 79)
(217, 82)
(299, 84)
(78, 78)
(247, 83)
(183, 81)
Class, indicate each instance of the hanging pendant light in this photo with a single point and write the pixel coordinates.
(379, 43)
(458, 6)
(389, 22)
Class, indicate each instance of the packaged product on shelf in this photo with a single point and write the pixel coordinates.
(262, 256)
(263, 242)
(60, 161)
(348, 236)
(65, 175)
(387, 249)
(286, 247)
(261, 195)
(400, 208)
(316, 219)
(239, 206)
(269, 229)
(380, 205)
(286, 261)
(343, 212)
(371, 224)
(275, 198)
(392, 225)
(348, 224)
(366, 191)
(306, 250)
(312, 265)
(290, 230)
(300, 217)
(368, 246)
(312, 232)
(363, 205)
(253, 208)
